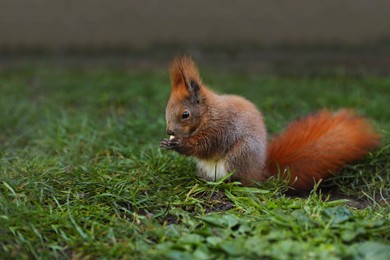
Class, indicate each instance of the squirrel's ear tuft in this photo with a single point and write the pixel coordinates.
(185, 76)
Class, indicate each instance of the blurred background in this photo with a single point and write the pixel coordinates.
(292, 36)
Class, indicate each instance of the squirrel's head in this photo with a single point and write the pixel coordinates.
(187, 102)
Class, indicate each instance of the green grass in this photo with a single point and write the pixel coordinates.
(82, 174)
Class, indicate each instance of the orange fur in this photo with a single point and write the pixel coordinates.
(180, 67)
(320, 144)
(184, 69)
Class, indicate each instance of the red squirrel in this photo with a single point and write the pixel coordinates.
(226, 133)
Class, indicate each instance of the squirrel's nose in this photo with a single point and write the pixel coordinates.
(170, 132)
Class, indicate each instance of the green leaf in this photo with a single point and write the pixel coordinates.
(214, 240)
(191, 239)
(233, 247)
(227, 220)
(338, 214)
(373, 250)
(202, 252)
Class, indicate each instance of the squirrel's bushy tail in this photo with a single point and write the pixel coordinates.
(320, 144)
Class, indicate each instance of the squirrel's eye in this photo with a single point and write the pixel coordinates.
(185, 114)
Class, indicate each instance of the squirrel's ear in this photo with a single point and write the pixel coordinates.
(185, 78)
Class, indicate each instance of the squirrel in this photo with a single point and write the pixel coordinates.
(226, 133)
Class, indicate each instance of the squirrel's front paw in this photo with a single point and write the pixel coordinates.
(165, 143)
(171, 144)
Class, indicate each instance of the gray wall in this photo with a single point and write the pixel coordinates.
(60, 24)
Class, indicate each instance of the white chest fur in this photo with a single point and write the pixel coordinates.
(212, 170)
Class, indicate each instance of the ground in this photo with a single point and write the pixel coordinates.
(82, 174)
